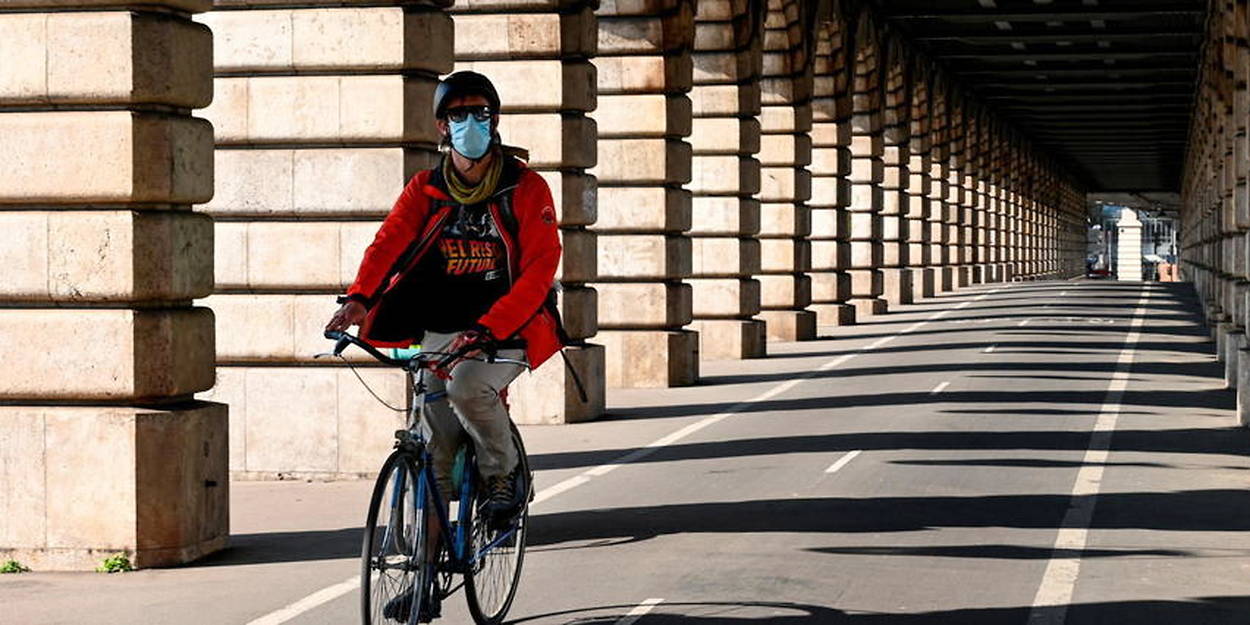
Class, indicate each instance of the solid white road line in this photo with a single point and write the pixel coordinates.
(327, 594)
(843, 461)
(990, 349)
(638, 612)
(939, 388)
(1050, 605)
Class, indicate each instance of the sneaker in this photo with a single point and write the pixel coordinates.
(399, 608)
(501, 495)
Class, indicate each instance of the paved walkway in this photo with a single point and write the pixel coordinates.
(1054, 452)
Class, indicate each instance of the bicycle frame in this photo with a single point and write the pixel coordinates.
(458, 547)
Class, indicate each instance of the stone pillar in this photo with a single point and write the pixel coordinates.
(955, 193)
(867, 172)
(104, 449)
(940, 251)
(831, 188)
(1011, 209)
(785, 182)
(551, 47)
(1239, 166)
(996, 219)
(725, 215)
(644, 75)
(896, 277)
(920, 241)
(321, 114)
(1028, 222)
(978, 234)
(962, 192)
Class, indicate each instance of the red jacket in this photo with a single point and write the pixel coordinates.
(413, 226)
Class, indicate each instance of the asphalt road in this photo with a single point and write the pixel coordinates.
(1058, 452)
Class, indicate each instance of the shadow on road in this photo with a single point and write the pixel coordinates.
(288, 547)
(1228, 610)
(1212, 510)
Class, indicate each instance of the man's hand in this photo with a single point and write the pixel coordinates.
(351, 313)
(476, 340)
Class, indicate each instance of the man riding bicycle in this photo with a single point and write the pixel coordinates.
(465, 261)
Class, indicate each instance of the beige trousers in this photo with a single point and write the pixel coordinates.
(469, 403)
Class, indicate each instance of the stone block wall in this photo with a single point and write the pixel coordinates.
(725, 177)
(322, 113)
(725, 171)
(831, 165)
(538, 56)
(867, 174)
(919, 236)
(896, 276)
(644, 115)
(785, 180)
(103, 349)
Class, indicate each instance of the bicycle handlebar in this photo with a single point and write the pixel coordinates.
(423, 359)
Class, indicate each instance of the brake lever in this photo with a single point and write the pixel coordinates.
(343, 341)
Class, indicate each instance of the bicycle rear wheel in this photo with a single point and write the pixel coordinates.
(496, 555)
(393, 578)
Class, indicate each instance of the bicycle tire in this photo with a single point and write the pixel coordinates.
(402, 542)
(488, 601)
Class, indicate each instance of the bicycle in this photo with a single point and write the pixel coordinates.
(400, 562)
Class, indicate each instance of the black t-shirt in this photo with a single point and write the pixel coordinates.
(463, 274)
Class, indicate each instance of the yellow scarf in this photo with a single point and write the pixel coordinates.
(467, 194)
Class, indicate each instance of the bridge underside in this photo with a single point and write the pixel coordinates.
(729, 174)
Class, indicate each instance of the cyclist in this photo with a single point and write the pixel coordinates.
(466, 259)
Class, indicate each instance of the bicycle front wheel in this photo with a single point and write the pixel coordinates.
(496, 554)
(394, 577)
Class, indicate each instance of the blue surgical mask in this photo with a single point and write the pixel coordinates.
(471, 138)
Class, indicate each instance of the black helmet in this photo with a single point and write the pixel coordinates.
(461, 84)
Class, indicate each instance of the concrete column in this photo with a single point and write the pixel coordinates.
(785, 182)
(644, 75)
(896, 277)
(919, 239)
(104, 449)
(867, 172)
(831, 188)
(725, 215)
(321, 115)
(552, 48)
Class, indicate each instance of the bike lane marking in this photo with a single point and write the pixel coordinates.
(843, 461)
(325, 595)
(1054, 594)
(639, 611)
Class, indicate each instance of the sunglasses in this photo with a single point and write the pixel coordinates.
(461, 113)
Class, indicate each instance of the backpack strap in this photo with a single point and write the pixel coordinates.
(551, 304)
